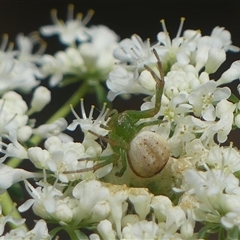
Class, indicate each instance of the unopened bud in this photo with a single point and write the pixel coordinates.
(41, 97)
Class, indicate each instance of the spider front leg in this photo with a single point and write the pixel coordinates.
(159, 91)
(119, 153)
(103, 161)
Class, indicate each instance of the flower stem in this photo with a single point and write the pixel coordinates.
(9, 208)
(65, 109)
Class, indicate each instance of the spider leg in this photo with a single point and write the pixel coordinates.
(136, 115)
(105, 139)
(123, 157)
(159, 83)
(145, 124)
(104, 160)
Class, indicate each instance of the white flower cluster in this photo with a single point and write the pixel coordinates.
(192, 103)
(76, 184)
(120, 212)
(88, 54)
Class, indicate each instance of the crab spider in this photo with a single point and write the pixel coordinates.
(146, 152)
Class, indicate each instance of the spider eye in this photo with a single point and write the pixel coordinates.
(148, 154)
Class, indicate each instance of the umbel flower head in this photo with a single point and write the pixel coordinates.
(106, 186)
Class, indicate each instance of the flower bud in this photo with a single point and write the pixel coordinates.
(41, 97)
(215, 58)
(231, 74)
(105, 230)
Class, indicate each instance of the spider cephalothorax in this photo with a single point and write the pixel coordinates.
(146, 152)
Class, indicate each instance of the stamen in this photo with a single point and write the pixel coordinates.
(193, 37)
(88, 17)
(135, 53)
(182, 19)
(42, 47)
(148, 47)
(90, 116)
(79, 16)
(139, 40)
(4, 42)
(162, 21)
(74, 112)
(31, 190)
(54, 17)
(70, 12)
(10, 47)
(83, 109)
(35, 38)
(102, 111)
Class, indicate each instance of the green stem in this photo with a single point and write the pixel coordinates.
(65, 109)
(9, 207)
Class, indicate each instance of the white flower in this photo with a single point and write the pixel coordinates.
(121, 81)
(183, 78)
(9, 176)
(51, 65)
(20, 70)
(161, 205)
(44, 199)
(40, 231)
(231, 220)
(53, 129)
(141, 199)
(8, 218)
(90, 194)
(209, 129)
(91, 60)
(179, 48)
(70, 31)
(205, 96)
(183, 133)
(25, 45)
(69, 161)
(227, 158)
(64, 157)
(105, 230)
(218, 42)
(87, 123)
(222, 39)
(12, 149)
(136, 52)
(12, 115)
(141, 230)
(103, 38)
(215, 192)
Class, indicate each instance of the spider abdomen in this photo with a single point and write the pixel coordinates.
(148, 154)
